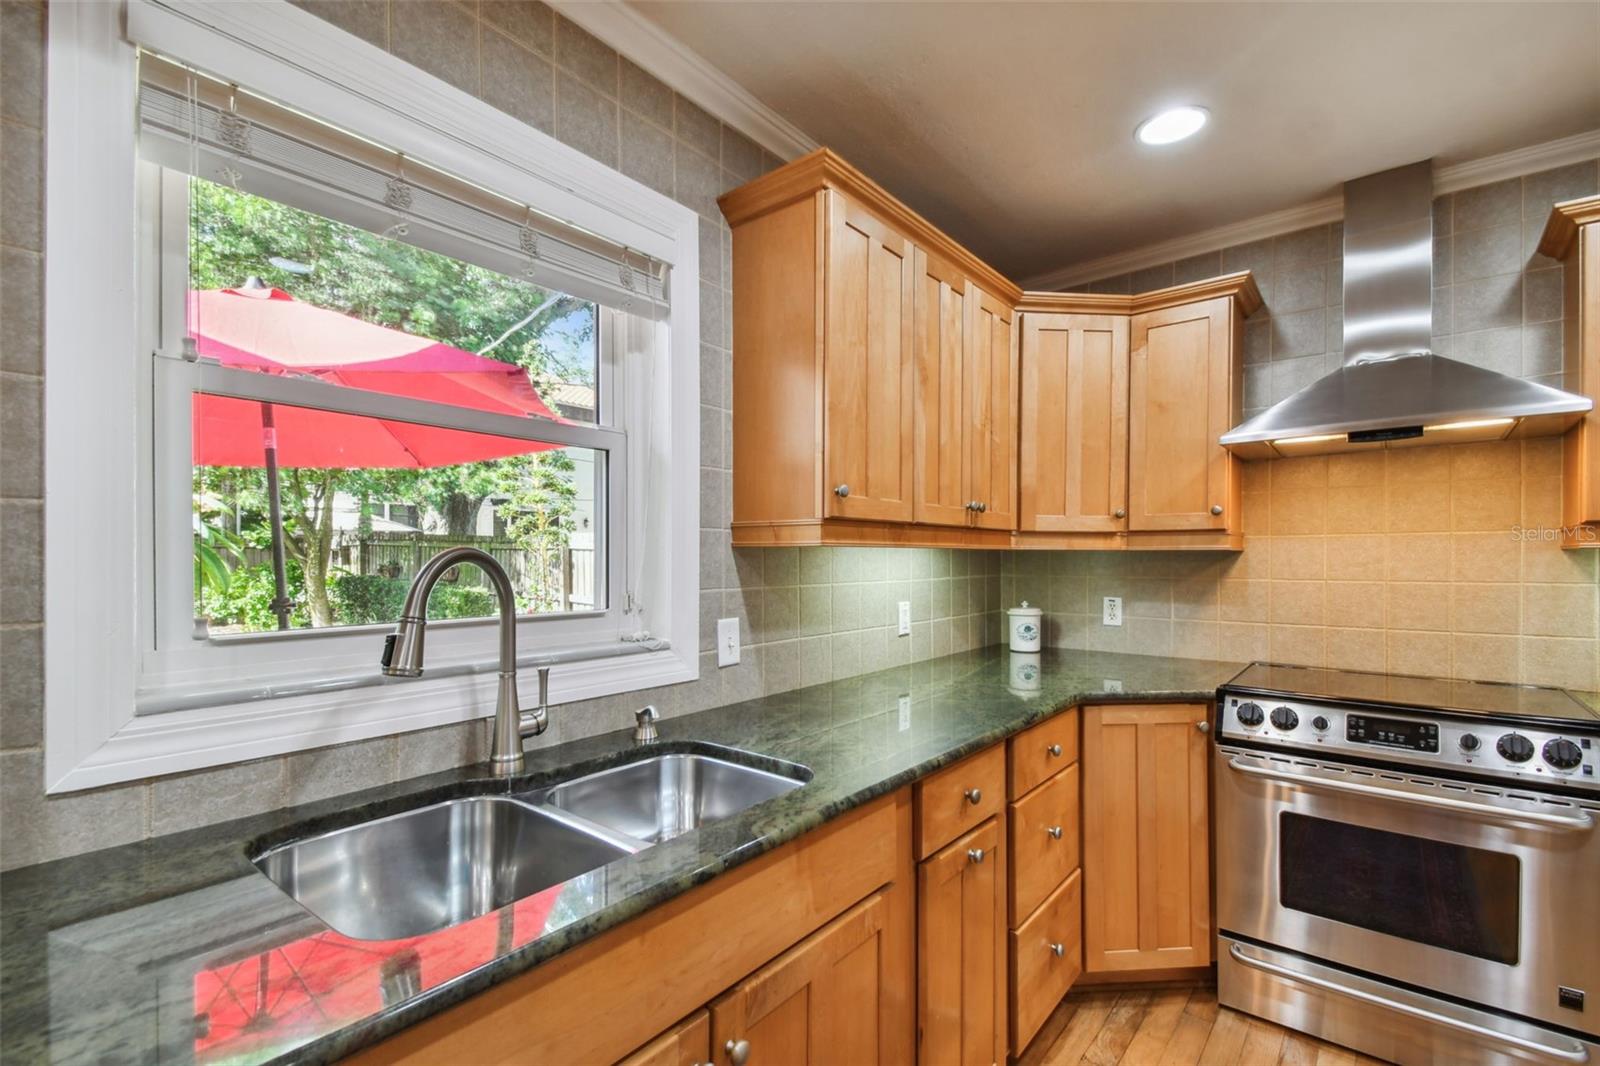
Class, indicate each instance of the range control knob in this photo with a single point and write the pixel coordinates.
(1284, 718)
(1250, 715)
(1320, 724)
(1563, 754)
(1469, 742)
(1515, 747)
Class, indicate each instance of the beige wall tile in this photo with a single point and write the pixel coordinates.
(1253, 562)
(1242, 601)
(1484, 608)
(1356, 469)
(1416, 506)
(1545, 560)
(1357, 558)
(1558, 661)
(1195, 639)
(1483, 506)
(1418, 557)
(1257, 520)
(1541, 502)
(1296, 603)
(1411, 652)
(1303, 472)
(1421, 464)
(1558, 610)
(1355, 509)
(1302, 645)
(1355, 649)
(1419, 605)
(1485, 557)
(1480, 657)
(1541, 457)
(1299, 558)
(1298, 512)
(1498, 460)
(1195, 597)
(1356, 604)
(1242, 641)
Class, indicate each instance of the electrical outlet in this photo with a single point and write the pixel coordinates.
(1112, 685)
(1111, 611)
(905, 618)
(727, 642)
(905, 713)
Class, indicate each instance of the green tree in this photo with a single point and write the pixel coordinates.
(234, 236)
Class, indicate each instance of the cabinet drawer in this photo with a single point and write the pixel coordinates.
(1033, 751)
(1040, 977)
(957, 798)
(1044, 841)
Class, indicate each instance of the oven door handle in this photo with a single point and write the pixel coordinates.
(1572, 1053)
(1579, 822)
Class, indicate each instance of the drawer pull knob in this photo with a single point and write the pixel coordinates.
(1216, 508)
(1058, 950)
(974, 795)
(975, 854)
(738, 1051)
(842, 491)
(1204, 727)
(1055, 832)
(1055, 750)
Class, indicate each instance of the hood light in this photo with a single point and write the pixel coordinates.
(1290, 442)
(1171, 125)
(1479, 423)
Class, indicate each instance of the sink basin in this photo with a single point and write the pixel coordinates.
(426, 869)
(656, 799)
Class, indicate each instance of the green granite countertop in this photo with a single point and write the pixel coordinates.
(177, 950)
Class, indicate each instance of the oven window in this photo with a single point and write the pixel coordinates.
(1428, 891)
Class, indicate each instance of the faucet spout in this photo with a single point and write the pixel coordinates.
(402, 653)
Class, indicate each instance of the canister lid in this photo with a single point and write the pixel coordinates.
(1024, 611)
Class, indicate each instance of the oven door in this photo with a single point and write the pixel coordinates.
(1469, 892)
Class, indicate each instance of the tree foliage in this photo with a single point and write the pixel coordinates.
(235, 236)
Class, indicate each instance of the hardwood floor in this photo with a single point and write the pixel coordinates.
(1171, 1025)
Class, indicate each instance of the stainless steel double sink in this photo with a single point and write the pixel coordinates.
(423, 870)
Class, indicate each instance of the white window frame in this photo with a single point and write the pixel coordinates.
(101, 659)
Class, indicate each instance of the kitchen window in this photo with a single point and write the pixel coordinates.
(360, 338)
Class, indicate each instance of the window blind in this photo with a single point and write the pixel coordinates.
(196, 124)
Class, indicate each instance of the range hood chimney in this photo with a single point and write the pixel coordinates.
(1392, 391)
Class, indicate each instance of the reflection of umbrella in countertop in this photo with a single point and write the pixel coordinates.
(267, 330)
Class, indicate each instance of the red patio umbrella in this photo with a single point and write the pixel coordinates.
(267, 330)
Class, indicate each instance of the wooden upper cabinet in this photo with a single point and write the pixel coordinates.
(991, 417)
(961, 952)
(1572, 234)
(826, 1000)
(1146, 838)
(1184, 393)
(1074, 415)
(940, 346)
(867, 367)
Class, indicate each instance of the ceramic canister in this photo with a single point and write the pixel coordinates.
(1027, 627)
(1026, 673)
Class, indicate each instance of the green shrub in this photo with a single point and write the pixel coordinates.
(362, 599)
(247, 601)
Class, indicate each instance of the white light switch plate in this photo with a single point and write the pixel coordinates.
(727, 642)
(905, 618)
(1111, 612)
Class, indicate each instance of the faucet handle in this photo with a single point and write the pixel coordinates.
(644, 724)
(544, 686)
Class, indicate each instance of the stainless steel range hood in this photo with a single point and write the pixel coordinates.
(1392, 391)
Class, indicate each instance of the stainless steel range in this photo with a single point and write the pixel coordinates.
(1410, 866)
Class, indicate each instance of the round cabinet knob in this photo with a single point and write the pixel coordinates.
(1563, 754)
(1250, 715)
(1284, 718)
(1320, 724)
(1055, 832)
(974, 795)
(1469, 742)
(738, 1051)
(1216, 508)
(1058, 950)
(842, 491)
(1204, 727)
(974, 854)
(1120, 512)
(1054, 750)
(1515, 747)
(972, 505)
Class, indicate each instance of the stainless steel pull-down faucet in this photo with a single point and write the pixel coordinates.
(402, 653)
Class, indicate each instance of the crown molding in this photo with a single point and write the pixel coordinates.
(1240, 286)
(1561, 229)
(1447, 179)
(688, 72)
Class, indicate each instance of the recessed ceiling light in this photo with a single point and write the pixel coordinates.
(1173, 124)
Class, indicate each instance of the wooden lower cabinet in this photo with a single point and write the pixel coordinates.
(1146, 838)
(1046, 957)
(961, 951)
(826, 1000)
(686, 1044)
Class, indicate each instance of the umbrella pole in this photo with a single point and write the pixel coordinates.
(281, 603)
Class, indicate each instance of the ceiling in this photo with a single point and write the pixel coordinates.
(1010, 125)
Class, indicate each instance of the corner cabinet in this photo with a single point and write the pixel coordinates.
(1123, 401)
(1572, 235)
(1146, 838)
(891, 388)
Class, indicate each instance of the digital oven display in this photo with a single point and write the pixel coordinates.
(1392, 733)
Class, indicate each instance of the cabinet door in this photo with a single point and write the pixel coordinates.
(1182, 397)
(686, 1044)
(992, 411)
(825, 1000)
(1074, 412)
(1146, 860)
(867, 367)
(961, 944)
(940, 346)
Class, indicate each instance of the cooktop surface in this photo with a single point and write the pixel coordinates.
(1488, 699)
